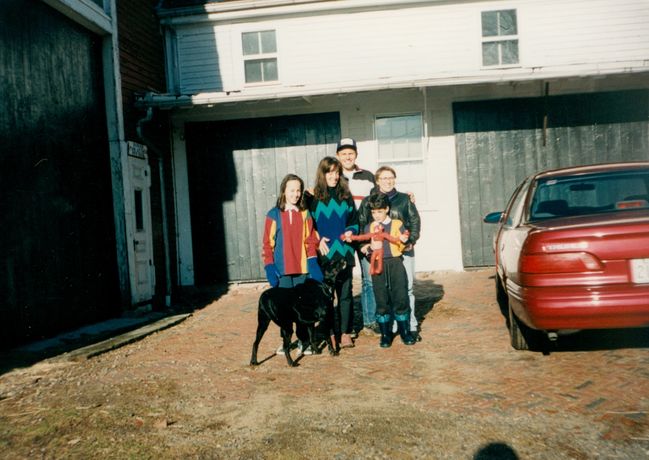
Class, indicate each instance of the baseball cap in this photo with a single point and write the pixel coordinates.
(346, 142)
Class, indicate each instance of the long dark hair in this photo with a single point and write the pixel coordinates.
(281, 199)
(320, 191)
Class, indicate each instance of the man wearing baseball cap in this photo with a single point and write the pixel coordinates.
(361, 183)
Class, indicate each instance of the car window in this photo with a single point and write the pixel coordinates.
(585, 194)
(515, 206)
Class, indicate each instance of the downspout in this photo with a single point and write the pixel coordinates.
(426, 130)
(163, 201)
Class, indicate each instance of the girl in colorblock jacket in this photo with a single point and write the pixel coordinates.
(290, 242)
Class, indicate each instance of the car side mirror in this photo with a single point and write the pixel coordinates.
(493, 217)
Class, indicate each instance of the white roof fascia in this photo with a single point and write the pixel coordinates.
(170, 101)
(255, 9)
(84, 12)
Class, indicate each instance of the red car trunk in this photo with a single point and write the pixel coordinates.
(567, 251)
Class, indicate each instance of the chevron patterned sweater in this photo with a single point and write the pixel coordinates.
(332, 219)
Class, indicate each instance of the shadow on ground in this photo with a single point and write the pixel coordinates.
(186, 301)
(603, 339)
(192, 298)
(496, 451)
(586, 340)
(427, 295)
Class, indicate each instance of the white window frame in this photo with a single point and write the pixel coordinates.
(260, 56)
(499, 40)
(399, 163)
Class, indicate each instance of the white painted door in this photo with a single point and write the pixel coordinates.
(139, 225)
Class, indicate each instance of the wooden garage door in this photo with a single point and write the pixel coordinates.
(58, 262)
(501, 142)
(235, 168)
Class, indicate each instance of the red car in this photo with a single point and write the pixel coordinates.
(572, 252)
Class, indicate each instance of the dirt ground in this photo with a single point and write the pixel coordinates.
(188, 392)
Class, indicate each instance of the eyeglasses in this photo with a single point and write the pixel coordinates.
(387, 178)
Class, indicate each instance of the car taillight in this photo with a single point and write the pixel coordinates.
(560, 262)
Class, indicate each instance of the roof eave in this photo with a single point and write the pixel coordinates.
(171, 101)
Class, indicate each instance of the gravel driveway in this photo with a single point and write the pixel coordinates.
(188, 391)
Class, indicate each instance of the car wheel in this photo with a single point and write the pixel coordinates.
(521, 336)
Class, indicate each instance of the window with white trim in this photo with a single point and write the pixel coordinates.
(400, 145)
(499, 38)
(259, 56)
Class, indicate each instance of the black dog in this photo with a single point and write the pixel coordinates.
(307, 305)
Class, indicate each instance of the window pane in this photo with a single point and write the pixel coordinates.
(139, 213)
(507, 21)
(510, 52)
(413, 127)
(590, 194)
(414, 150)
(489, 54)
(517, 207)
(270, 69)
(268, 44)
(398, 128)
(253, 71)
(250, 43)
(386, 152)
(382, 128)
(399, 137)
(401, 149)
(489, 23)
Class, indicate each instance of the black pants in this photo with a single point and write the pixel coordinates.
(345, 302)
(391, 288)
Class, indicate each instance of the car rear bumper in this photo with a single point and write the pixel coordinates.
(604, 307)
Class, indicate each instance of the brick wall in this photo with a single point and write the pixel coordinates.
(141, 55)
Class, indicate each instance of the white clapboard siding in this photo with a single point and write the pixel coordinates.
(360, 46)
(415, 42)
(585, 31)
(202, 51)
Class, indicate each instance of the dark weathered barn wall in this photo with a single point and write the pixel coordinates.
(500, 142)
(235, 169)
(141, 54)
(57, 251)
